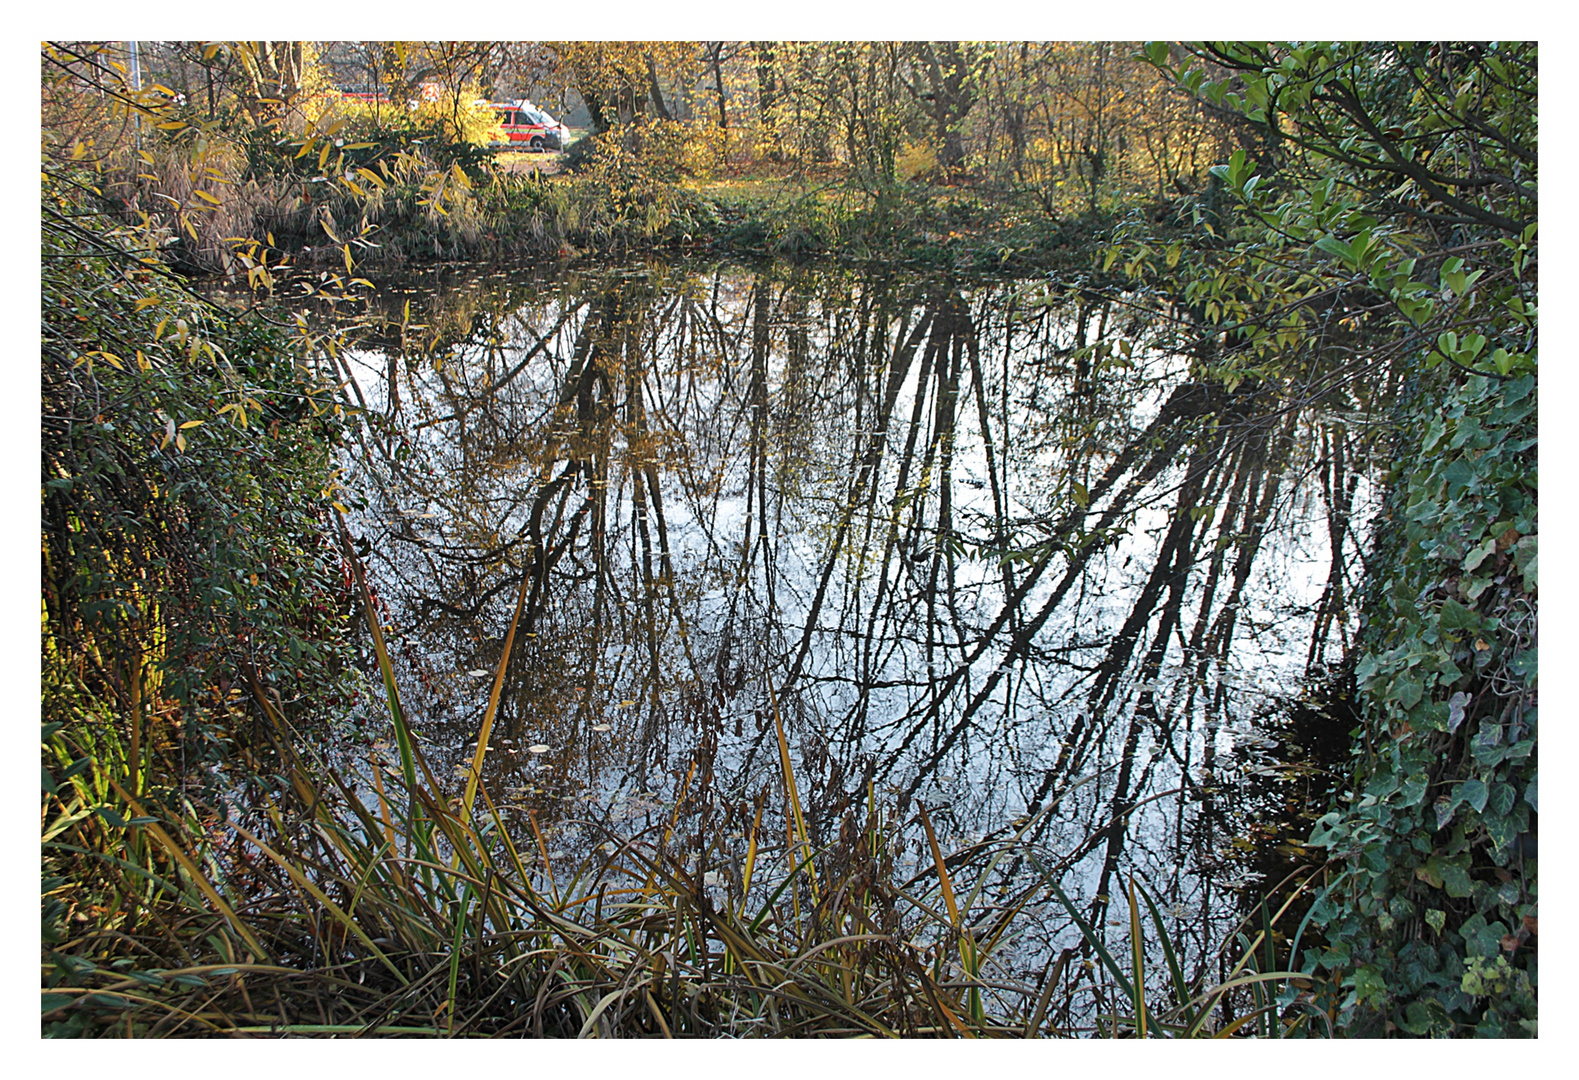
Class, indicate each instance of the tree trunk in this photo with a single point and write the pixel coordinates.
(718, 83)
(657, 94)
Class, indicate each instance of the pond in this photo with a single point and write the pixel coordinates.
(979, 547)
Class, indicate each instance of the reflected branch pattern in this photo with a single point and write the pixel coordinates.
(981, 546)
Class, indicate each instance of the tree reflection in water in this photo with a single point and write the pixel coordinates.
(979, 547)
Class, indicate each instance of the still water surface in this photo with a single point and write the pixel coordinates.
(984, 547)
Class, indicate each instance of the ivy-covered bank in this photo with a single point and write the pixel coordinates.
(1431, 913)
(1379, 231)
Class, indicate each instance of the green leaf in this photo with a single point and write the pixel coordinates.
(1524, 558)
(1456, 706)
(1525, 664)
(1487, 746)
(1333, 246)
(1456, 616)
(1502, 830)
(1407, 691)
(1369, 986)
(1472, 792)
(1413, 789)
(1482, 938)
(1452, 873)
(1328, 830)
(1478, 554)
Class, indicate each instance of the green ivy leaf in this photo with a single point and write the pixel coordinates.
(1453, 874)
(1525, 664)
(1413, 790)
(1455, 710)
(1456, 616)
(1477, 555)
(1472, 792)
(1503, 798)
(1407, 691)
(1524, 559)
(1501, 830)
(1487, 746)
(1369, 986)
(1482, 938)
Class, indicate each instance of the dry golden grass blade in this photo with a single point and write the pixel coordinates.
(967, 944)
(935, 998)
(792, 795)
(385, 822)
(542, 849)
(751, 860)
(1138, 959)
(942, 868)
(475, 772)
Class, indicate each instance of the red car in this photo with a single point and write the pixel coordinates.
(523, 122)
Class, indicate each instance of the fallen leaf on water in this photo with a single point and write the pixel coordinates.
(538, 748)
(479, 673)
(600, 727)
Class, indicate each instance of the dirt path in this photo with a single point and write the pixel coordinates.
(547, 163)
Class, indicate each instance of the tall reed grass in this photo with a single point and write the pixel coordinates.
(360, 901)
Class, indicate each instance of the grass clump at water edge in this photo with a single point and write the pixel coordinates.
(361, 902)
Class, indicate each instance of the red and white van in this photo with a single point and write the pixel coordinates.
(525, 126)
